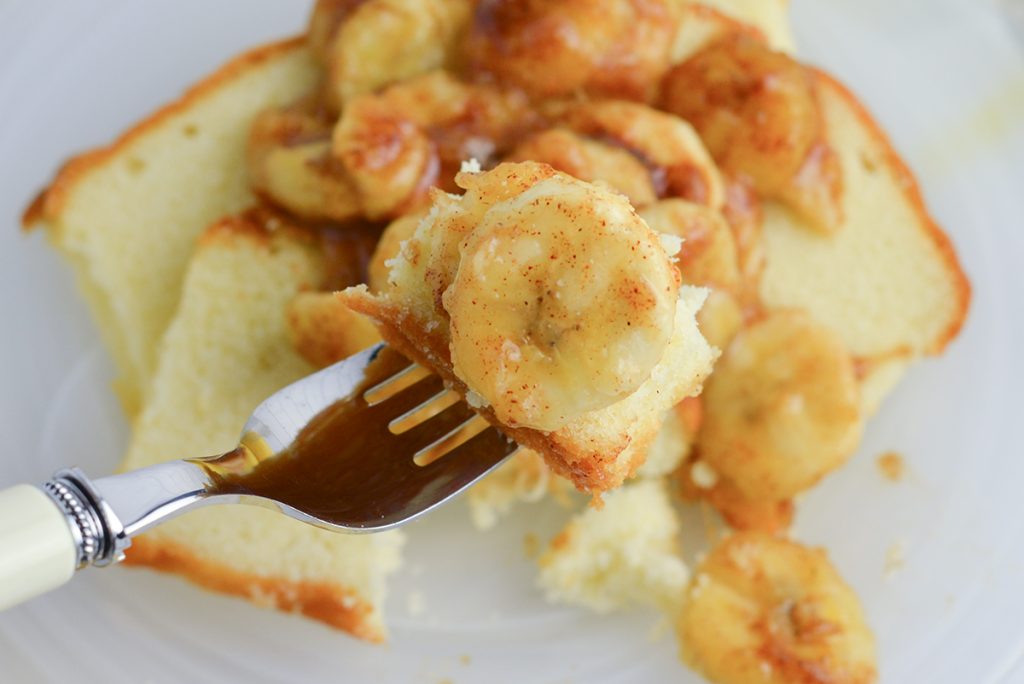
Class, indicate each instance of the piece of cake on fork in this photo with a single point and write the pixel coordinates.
(554, 309)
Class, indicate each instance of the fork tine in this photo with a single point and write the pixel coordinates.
(474, 458)
(436, 428)
(423, 412)
(440, 480)
(397, 488)
(393, 384)
(410, 398)
(433, 428)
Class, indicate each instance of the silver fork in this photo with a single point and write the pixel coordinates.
(291, 458)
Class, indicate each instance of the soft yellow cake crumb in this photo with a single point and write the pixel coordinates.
(626, 553)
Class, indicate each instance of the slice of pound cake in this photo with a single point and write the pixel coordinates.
(127, 215)
(227, 349)
(903, 291)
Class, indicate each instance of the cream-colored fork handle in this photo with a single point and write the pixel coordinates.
(37, 549)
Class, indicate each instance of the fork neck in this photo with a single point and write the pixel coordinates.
(104, 514)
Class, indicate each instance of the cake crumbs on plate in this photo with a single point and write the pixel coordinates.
(464, 659)
(895, 559)
(891, 465)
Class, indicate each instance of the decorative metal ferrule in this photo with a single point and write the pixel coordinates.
(98, 533)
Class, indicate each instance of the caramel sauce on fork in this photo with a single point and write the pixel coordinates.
(347, 468)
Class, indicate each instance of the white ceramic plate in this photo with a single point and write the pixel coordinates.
(947, 81)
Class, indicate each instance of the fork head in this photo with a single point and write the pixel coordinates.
(364, 445)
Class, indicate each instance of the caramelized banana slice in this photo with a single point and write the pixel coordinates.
(289, 161)
(464, 120)
(303, 180)
(721, 318)
(782, 408)
(709, 257)
(697, 480)
(325, 22)
(755, 109)
(434, 253)
(618, 48)
(324, 330)
(679, 163)
(563, 303)
(758, 114)
(389, 159)
(762, 610)
(397, 143)
(590, 160)
(379, 42)
(708, 254)
(397, 232)
(742, 211)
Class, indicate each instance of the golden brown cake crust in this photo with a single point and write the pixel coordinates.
(258, 223)
(50, 202)
(581, 463)
(912, 190)
(328, 603)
